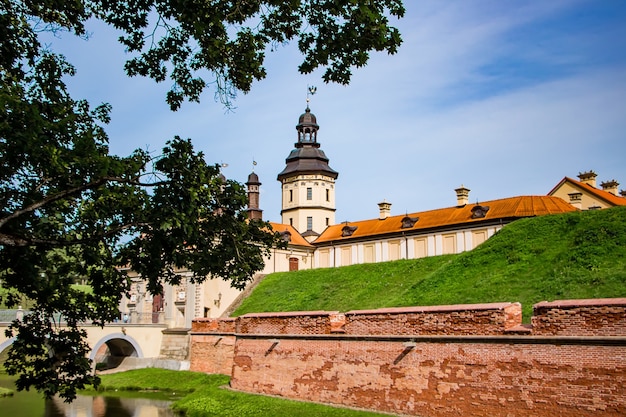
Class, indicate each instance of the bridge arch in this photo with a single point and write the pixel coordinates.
(113, 348)
(6, 344)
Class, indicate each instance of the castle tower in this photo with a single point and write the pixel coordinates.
(308, 183)
(253, 184)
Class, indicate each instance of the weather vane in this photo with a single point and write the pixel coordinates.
(311, 90)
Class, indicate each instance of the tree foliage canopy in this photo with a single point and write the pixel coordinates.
(71, 209)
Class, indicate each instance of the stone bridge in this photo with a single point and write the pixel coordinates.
(128, 345)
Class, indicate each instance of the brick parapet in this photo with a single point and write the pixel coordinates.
(592, 317)
(208, 325)
(462, 319)
(486, 319)
(304, 322)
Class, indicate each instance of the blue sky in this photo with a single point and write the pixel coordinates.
(504, 97)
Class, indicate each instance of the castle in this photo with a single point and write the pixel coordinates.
(315, 240)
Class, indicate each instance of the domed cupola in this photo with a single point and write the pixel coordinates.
(307, 127)
(307, 157)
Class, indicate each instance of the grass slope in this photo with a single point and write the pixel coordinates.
(566, 256)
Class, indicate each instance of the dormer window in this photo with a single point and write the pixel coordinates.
(348, 230)
(286, 236)
(408, 222)
(478, 211)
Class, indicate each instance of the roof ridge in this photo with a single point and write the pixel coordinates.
(401, 216)
(504, 208)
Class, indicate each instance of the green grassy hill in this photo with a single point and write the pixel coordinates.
(575, 255)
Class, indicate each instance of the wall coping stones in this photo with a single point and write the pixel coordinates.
(289, 314)
(176, 331)
(436, 309)
(592, 302)
(208, 319)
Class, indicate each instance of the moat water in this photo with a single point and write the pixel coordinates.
(31, 404)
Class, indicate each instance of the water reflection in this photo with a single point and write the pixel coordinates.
(85, 406)
(31, 404)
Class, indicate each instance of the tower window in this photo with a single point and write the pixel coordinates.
(309, 193)
(327, 221)
(290, 221)
(309, 223)
(290, 196)
(327, 194)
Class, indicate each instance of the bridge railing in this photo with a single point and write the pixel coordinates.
(143, 318)
(7, 316)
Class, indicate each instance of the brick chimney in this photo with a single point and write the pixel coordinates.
(588, 178)
(610, 186)
(462, 196)
(384, 209)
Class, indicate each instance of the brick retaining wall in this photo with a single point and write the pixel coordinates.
(429, 361)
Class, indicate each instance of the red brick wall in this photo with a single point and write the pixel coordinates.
(428, 361)
(438, 379)
(212, 354)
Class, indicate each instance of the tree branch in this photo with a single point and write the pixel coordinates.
(72, 192)
(20, 241)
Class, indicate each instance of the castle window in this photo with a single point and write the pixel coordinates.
(290, 196)
(327, 194)
(309, 223)
(309, 193)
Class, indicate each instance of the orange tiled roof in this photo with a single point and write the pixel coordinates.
(600, 194)
(296, 238)
(506, 208)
